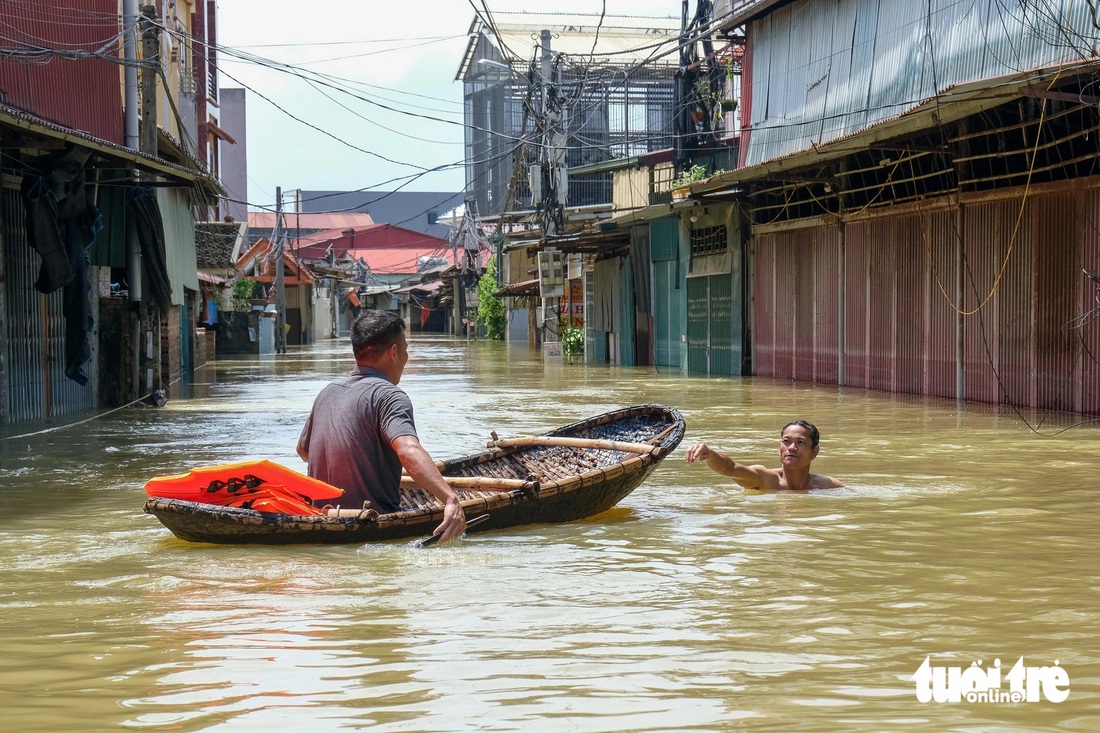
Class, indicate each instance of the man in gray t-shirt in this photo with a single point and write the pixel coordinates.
(360, 432)
(349, 433)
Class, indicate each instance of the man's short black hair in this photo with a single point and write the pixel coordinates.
(815, 437)
(375, 331)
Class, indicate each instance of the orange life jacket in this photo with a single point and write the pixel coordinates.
(261, 485)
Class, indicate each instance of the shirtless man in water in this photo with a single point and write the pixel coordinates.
(797, 449)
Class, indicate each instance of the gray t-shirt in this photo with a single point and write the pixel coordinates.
(348, 436)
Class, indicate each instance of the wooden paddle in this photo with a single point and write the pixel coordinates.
(434, 539)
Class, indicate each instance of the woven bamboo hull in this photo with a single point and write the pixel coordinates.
(574, 483)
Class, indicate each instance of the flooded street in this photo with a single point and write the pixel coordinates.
(962, 536)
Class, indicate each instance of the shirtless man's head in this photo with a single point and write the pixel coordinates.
(798, 444)
(811, 429)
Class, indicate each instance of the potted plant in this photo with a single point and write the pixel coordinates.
(681, 185)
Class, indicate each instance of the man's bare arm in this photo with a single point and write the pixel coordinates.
(419, 464)
(749, 477)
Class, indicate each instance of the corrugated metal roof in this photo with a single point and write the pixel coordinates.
(61, 64)
(619, 40)
(519, 289)
(104, 148)
(432, 287)
(951, 105)
(822, 71)
(212, 279)
(377, 235)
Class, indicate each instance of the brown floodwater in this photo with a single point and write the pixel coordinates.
(964, 535)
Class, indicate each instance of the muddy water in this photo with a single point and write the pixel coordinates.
(962, 536)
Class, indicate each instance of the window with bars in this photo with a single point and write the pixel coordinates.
(708, 240)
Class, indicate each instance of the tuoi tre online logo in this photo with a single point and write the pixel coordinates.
(976, 684)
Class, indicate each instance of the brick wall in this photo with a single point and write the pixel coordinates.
(171, 347)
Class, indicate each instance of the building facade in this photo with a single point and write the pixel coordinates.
(97, 262)
(921, 192)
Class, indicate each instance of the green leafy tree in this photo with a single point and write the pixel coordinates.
(490, 309)
(242, 292)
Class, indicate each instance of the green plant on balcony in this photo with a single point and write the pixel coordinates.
(690, 176)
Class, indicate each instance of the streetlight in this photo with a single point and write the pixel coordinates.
(497, 64)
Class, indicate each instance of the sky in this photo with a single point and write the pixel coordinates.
(361, 94)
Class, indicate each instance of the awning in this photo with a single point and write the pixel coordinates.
(431, 287)
(220, 133)
(597, 241)
(211, 279)
(518, 290)
(141, 161)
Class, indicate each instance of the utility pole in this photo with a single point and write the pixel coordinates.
(552, 177)
(130, 71)
(280, 288)
(683, 113)
(133, 141)
(150, 56)
(149, 357)
(552, 154)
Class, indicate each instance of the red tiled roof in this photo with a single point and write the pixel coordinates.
(314, 246)
(395, 260)
(259, 256)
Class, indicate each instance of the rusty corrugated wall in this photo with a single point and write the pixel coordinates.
(795, 291)
(826, 333)
(763, 250)
(1023, 261)
(34, 337)
(1087, 330)
(938, 235)
(990, 290)
(50, 73)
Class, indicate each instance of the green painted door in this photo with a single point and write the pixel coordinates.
(721, 327)
(668, 298)
(710, 326)
(698, 324)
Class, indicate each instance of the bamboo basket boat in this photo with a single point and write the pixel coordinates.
(569, 473)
